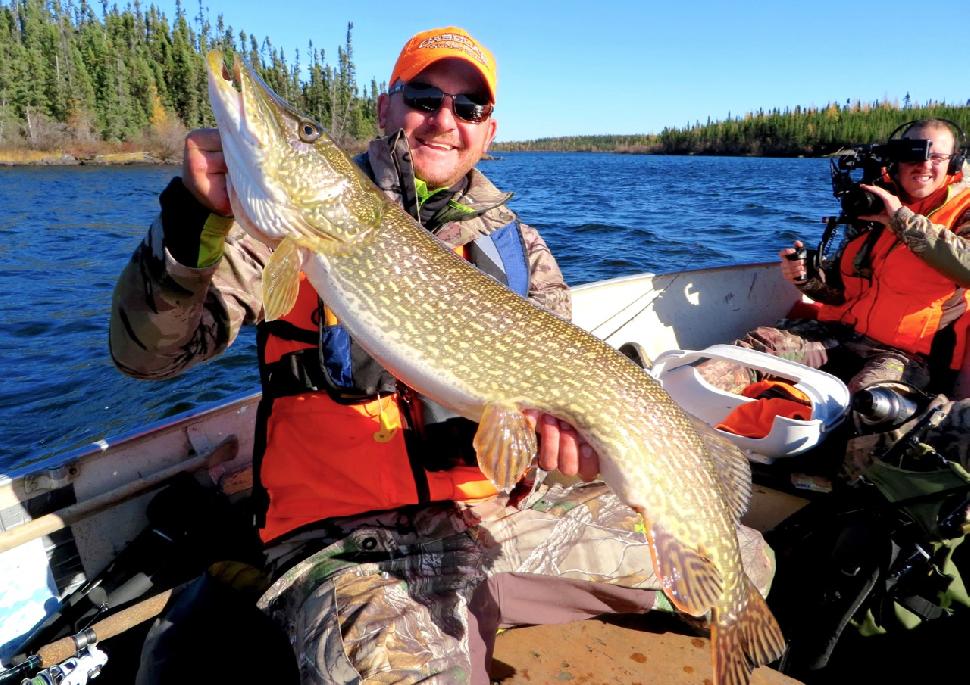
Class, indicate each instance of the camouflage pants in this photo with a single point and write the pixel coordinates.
(851, 356)
(416, 595)
(951, 437)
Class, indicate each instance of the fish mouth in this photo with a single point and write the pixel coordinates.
(227, 95)
(247, 103)
(227, 79)
(246, 119)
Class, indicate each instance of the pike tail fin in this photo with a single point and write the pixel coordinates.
(753, 639)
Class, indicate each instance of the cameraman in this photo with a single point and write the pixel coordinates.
(893, 307)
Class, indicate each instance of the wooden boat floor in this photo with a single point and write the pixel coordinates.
(610, 650)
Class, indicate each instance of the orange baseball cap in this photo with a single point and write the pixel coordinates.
(427, 47)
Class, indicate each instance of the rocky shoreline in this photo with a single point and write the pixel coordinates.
(66, 159)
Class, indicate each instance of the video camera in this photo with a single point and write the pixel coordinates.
(873, 160)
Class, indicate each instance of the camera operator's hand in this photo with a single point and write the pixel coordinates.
(890, 203)
(204, 170)
(794, 270)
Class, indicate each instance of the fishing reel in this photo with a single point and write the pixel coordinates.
(85, 665)
(74, 671)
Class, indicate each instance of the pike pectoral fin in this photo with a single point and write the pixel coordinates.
(689, 579)
(505, 444)
(281, 280)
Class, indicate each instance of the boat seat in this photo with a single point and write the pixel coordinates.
(675, 369)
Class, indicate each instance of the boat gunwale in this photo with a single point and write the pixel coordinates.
(114, 442)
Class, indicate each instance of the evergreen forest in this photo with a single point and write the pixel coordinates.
(794, 132)
(75, 76)
(83, 78)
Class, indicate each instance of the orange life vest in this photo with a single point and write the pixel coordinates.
(326, 459)
(902, 303)
(338, 452)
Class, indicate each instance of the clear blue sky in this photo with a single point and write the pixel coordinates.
(616, 66)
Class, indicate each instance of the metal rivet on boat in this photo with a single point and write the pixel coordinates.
(50, 479)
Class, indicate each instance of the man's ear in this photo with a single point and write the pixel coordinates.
(490, 136)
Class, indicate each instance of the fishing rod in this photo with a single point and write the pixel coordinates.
(73, 659)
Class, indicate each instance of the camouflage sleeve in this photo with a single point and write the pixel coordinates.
(546, 285)
(167, 317)
(819, 291)
(947, 251)
(823, 284)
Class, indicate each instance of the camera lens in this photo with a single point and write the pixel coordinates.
(858, 202)
(883, 406)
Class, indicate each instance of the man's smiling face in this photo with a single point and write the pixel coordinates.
(443, 147)
(922, 179)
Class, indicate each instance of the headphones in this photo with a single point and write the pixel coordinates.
(959, 140)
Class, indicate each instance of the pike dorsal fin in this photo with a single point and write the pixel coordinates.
(505, 444)
(281, 280)
(732, 468)
(689, 579)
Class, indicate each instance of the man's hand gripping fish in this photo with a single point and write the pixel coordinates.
(462, 339)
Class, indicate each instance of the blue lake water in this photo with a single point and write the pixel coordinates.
(67, 232)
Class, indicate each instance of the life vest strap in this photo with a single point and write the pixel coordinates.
(289, 331)
(304, 371)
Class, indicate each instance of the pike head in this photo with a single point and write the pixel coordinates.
(289, 184)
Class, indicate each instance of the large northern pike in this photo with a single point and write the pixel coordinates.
(462, 339)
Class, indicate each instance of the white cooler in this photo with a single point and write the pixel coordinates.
(788, 437)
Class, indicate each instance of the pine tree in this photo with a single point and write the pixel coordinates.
(183, 82)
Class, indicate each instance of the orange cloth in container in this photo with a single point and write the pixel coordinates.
(772, 398)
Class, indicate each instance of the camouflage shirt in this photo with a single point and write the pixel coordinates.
(168, 315)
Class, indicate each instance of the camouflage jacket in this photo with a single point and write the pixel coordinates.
(167, 316)
(946, 250)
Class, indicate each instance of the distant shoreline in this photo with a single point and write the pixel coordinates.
(45, 159)
(23, 157)
(34, 158)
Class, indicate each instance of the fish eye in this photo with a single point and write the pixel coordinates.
(309, 131)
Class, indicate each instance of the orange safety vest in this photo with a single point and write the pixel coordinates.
(902, 304)
(331, 459)
(319, 455)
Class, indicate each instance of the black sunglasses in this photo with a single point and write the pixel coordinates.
(427, 98)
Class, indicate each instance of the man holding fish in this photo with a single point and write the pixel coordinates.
(392, 556)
